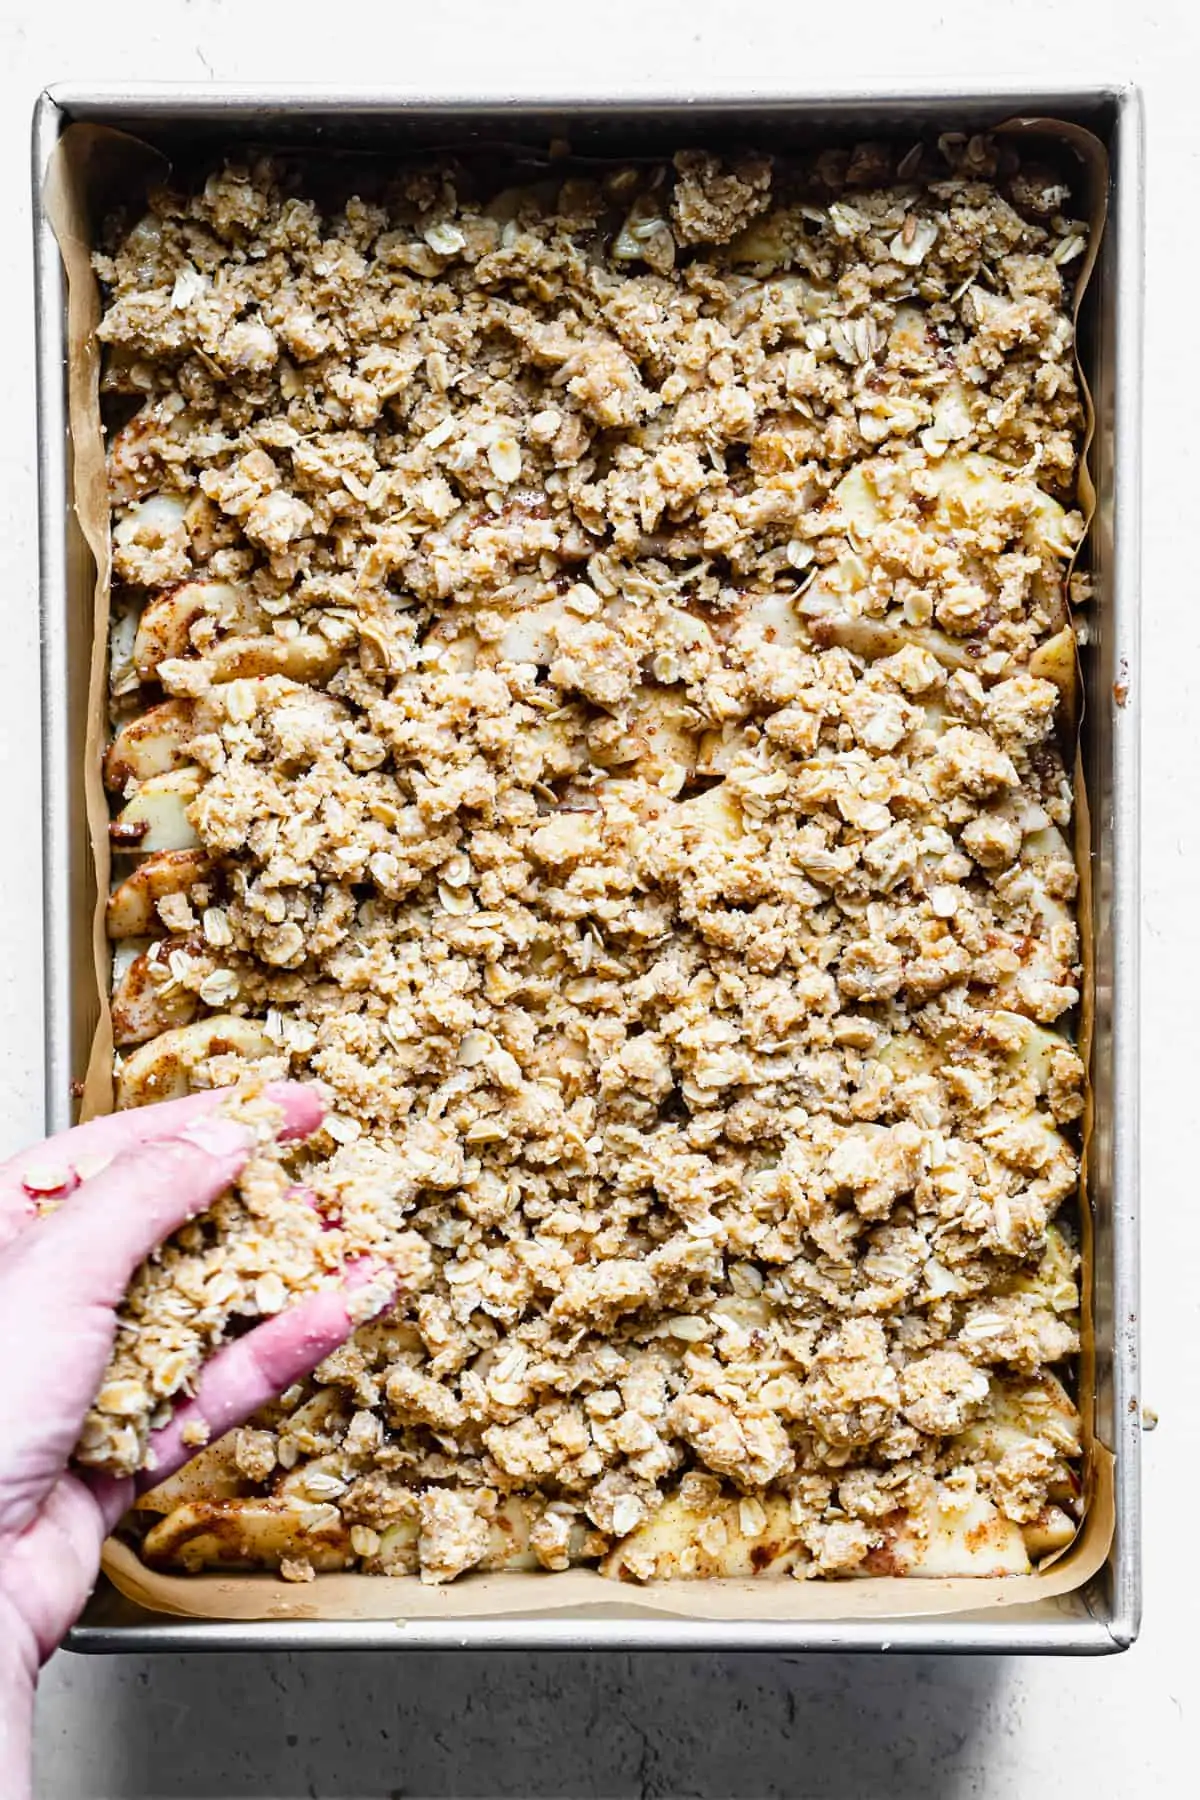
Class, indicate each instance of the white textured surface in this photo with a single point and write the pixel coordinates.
(469, 1725)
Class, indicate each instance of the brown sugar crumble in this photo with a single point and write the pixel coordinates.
(588, 668)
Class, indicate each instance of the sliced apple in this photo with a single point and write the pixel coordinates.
(948, 1538)
(1032, 1048)
(133, 462)
(1042, 839)
(397, 1553)
(212, 1474)
(967, 489)
(952, 419)
(165, 627)
(765, 241)
(1057, 661)
(873, 639)
(1055, 1283)
(547, 750)
(253, 1533)
(907, 1054)
(1051, 1531)
(156, 818)
(1052, 1145)
(122, 634)
(732, 1537)
(1027, 989)
(318, 1412)
(957, 492)
(508, 1535)
(126, 954)
(510, 1531)
(1035, 1050)
(214, 1530)
(452, 643)
(858, 499)
(131, 911)
(163, 1068)
(1045, 951)
(719, 750)
(1039, 848)
(1018, 1410)
(304, 658)
(152, 744)
(154, 519)
(146, 1000)
(715, 812)
(769, 619)
(974, 486)
(297, 1484)
(530, 636)
(661, 737)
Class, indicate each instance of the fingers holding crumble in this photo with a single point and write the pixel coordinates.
(188, 1193)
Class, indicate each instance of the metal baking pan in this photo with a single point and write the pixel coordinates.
(1101, 1617)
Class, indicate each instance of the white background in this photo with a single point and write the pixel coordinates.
(351, 1726)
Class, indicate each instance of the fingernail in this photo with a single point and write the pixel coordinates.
(48, 1178)
(281, 1092)
(218, 1136)
(372, 1289)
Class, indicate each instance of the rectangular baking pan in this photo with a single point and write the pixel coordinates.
(1103, 1616)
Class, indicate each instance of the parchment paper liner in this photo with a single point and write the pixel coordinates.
(91, 166)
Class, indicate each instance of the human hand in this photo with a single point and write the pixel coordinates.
(119, 1186)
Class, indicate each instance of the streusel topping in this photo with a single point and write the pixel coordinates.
(610, 642)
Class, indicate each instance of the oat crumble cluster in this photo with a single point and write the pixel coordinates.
(589, 668)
